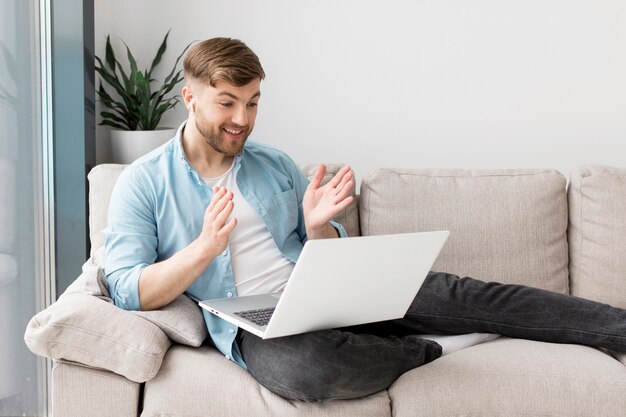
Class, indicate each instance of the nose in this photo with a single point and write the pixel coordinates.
(240, 117)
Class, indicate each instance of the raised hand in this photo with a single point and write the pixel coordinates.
(215, 230)
(322, 203)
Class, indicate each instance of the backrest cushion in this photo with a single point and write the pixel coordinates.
(102, 179)
(506, 225)
(597, 234)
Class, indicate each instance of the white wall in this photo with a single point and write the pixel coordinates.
(480, 84)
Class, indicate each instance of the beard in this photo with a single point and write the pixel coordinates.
(214, 137)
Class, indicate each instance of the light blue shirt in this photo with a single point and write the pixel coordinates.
(157, 208)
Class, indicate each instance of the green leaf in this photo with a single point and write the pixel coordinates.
(110, 55)
(119, 108)
(171, 74)
(138, 100)
(113, 124)
(133, 69)
(114, 119)
(159, 54)
(111, 79)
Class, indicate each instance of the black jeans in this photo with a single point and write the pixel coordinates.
(356, 361)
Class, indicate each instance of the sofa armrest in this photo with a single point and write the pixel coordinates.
(78, 391)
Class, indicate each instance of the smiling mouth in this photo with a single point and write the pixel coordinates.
(233, 132)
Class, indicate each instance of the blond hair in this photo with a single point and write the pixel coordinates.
(222, 59)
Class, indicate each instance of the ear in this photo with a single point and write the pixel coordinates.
(188, 98)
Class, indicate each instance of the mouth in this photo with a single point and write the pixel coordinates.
(233, 133)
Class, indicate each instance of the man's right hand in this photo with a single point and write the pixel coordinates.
(162, 282)
(215, 229)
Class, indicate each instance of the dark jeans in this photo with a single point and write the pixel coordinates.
(356, 361)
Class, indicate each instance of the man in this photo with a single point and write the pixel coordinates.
(211, 215)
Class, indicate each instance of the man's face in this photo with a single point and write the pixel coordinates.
(225, 114)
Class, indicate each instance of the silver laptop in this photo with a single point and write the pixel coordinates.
(338, 283)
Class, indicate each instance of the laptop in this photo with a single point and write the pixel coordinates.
(338, 283)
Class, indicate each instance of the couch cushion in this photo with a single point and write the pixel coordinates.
(506, 225)
(514, 377)
(85, 329)
(597, 234)
(206, 384)
(181, 320)
(76, 327)
(101, 178)
(78, 392)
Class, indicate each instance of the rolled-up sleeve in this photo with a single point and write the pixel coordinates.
(130, 237)
(340, 229)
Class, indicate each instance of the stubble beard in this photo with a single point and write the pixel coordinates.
(213, 137)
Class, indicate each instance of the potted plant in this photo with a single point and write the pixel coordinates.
(134, 112)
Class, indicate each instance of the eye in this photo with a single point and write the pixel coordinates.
(253, 105)
(226, 104)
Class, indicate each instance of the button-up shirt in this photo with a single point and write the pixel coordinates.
(157, 208)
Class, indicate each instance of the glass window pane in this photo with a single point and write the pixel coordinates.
(20, 201)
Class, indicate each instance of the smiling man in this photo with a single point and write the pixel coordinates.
(212, 215)
(208, 213)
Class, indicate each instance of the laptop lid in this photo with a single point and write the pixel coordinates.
(345, 282)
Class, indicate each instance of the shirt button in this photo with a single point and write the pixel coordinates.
(231, 331)
(228, 357)
(225, 253)
(229, 294)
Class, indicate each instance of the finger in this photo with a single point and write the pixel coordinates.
(344, 180)
(220, 204)
(217, 194)
(222, 216)
(344, 192)
(342, 205)
(339, 176)
(228, 227)
(318, 177)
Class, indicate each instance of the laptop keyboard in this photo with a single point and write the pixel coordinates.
(259, 317)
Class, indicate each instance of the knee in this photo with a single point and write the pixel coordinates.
(295, 379)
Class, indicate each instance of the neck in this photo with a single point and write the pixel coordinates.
(208, 162)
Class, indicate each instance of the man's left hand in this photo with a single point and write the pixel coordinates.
(322, 203)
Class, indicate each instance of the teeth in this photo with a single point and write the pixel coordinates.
(233, 132)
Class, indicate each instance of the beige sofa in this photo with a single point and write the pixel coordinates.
(516, 226)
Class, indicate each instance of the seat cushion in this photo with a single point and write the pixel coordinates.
(201, 382)
(512, 377)
(505, 225)
(597, 234)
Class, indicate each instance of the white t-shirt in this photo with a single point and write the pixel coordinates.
(258, 265)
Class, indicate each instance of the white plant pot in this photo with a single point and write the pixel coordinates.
(128, 145)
